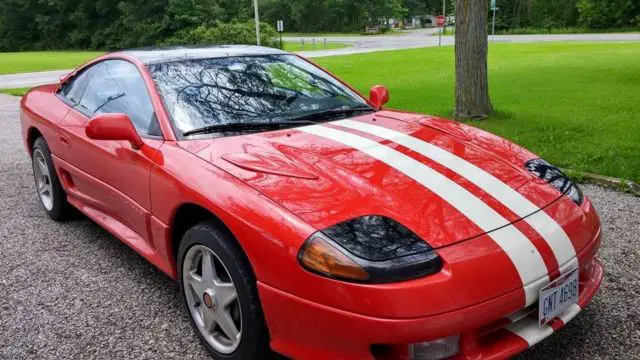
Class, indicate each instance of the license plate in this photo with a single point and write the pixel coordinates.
(556, 297)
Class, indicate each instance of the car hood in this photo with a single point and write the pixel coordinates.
(326, 181)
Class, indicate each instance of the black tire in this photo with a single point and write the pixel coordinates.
(254, 343)
(60, 209)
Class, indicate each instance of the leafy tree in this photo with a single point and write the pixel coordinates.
(225, 33)
(19, 29)
(309, 15)
(383, 9)
(423, 7)
(600, 14)
(109, 24)
(181, 14)
(347, 15)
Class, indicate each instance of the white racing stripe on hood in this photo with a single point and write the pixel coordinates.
(524, 255)
(543, 224)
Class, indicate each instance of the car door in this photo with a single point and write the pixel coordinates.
(110, 177)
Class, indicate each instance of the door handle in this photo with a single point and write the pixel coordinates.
(64, 140)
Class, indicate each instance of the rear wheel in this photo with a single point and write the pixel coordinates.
(50, 192)
(219, 292)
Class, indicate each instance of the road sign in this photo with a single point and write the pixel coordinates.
(280, 26)
(493, 5)
(441, 20)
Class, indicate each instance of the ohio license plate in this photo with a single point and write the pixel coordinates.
(556, 297)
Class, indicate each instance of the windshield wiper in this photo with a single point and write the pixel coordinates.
(328, 114)
(245, 126)
(298, 120)
(109, 99)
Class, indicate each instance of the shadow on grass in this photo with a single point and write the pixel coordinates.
(498, 115)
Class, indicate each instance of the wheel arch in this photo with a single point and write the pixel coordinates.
(188, 215)
(32, 135)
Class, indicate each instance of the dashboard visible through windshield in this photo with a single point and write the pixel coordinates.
(203, 95)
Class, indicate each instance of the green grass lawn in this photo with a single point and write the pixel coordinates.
(330, 34)
(575, 104)
(12, 63)
(318, 35)
(567, 30)
(308, 46)
(14, 92)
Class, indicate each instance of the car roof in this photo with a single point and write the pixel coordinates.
(155, 55)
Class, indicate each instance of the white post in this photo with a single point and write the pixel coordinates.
(444, 13)
(257, 15)
(493, 31)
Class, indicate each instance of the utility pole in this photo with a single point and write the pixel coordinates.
(257, 15)
(444, 13)
(493, 30)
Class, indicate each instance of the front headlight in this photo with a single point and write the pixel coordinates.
(371, 249)
(556, 178)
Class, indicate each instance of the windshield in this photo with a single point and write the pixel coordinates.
(247, 90)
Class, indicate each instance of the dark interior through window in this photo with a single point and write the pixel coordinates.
(114, 86)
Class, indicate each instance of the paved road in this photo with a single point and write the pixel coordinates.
(30, 79)
(73, 291)
(359, 44)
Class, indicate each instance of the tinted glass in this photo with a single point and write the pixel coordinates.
(117, 87)
(75, 87)
(253, 89)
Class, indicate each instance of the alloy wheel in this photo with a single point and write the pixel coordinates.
(43, 179)
(212, 299)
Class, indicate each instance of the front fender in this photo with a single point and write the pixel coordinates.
(269, 235)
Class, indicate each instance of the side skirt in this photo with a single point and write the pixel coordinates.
(126, 235)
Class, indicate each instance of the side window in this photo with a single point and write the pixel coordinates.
(75, 87)
(117, 87)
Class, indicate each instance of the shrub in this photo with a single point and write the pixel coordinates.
(225, 33)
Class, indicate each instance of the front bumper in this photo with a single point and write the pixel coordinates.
(303, 329)
(519, 331)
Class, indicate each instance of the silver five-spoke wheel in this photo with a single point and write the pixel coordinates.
(43, 179)
(212, 299)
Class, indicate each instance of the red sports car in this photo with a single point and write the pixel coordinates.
(298, 216)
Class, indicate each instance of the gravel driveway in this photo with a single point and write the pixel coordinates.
(72, 290)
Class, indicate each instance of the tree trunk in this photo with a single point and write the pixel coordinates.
(472, 84)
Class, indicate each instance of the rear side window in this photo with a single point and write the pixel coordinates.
(73, 89)
(116, 86)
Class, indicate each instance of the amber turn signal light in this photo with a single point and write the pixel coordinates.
(321, 257)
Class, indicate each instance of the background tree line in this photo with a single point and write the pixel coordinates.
(587, 14)
(109, 24)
